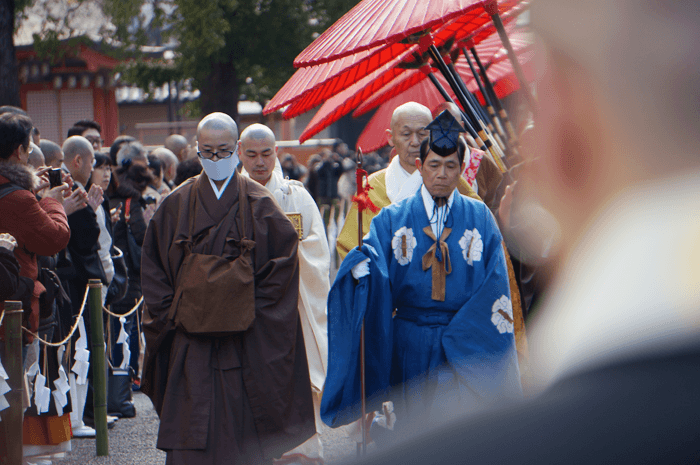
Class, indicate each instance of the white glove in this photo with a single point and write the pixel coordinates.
(361, 269)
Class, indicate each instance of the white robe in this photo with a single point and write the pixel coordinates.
(314, 285)
(314, 271)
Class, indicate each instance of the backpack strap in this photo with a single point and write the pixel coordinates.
(8, 188)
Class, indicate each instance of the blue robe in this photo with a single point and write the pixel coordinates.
(461, 349)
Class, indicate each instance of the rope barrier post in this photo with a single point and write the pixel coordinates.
(97, 356)
(12, 417)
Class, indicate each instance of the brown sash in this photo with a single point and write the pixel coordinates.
(214, 295)
(440, 269)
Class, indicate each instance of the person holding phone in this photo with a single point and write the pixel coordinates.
(39, 227)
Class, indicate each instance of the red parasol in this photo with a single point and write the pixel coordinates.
(501, 74)
(374, 22)
(389, 81)
(313, 85)
(491, 50)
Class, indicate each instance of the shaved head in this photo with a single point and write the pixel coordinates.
(75, 146)
(178, 145)
(258, 152)
(451, 107)
(169, 160)
(166, 156)
(36, 158)
(408, 131)
(410, 108)
(218, 122)
(53, 156)
(257, 131)
(79, 157)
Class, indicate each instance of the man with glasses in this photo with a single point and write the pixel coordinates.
(91, 130)
(225, 366)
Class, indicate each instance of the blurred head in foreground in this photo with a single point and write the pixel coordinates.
(611, 204)
(618, 139)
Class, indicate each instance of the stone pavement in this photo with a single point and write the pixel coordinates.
(133, 441)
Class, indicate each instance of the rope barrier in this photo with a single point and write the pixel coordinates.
(117, 315)
(72, 331)
(75, 326)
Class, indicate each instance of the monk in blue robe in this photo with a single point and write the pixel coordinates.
(432, 286)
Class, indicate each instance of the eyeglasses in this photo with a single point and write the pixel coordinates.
(221, 154)
(95, 140)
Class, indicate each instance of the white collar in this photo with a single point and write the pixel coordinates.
(275, 182)
(396, 177)
(218, 193)
(429, 204)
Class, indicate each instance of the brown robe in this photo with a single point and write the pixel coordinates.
(242, 398)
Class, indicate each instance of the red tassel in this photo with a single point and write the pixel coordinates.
(362, 198)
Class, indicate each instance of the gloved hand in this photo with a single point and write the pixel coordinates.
(361, 269)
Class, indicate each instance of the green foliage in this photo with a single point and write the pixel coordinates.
(261, 38)
(146, 73)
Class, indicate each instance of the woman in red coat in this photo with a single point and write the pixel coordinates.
(40, 227)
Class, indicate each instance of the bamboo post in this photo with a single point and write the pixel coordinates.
(12, 417)
(97, 357)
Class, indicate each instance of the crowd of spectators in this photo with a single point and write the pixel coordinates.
(84, 220)
(90, 224)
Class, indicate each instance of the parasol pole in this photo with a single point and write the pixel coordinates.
(487, 98)
(360, 173)
(469, 111)
(494, 98)
(473, 136)
(481, 115)
(492, 10)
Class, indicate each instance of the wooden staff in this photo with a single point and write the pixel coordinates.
(492, 10)
(360, 175)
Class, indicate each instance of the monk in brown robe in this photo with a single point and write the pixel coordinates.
(225, 365)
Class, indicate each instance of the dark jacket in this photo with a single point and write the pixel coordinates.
(83, 255)
(129, 189)
(9, 275)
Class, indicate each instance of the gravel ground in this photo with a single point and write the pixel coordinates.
(133, 441)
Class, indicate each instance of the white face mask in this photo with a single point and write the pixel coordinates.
(220, 169)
